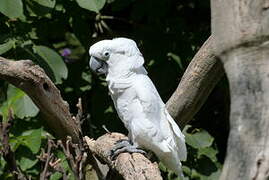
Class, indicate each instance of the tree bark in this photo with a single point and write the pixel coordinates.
(130, 166)
(199, 79)
(241, 29)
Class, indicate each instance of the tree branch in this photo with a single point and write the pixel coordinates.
(129, 166)
(199, 79)
(33, 81)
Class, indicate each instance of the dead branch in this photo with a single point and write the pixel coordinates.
(46, 157)
(79, 117)
(129, 166)
(51, 162)
(76, 159)
(199, 79)
(6, 151)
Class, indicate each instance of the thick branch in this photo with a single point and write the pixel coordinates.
(130, 166)
(201, 76)
(33, 81)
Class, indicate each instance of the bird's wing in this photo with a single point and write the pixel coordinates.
(147, 99)
(156, 113)
(152, 109)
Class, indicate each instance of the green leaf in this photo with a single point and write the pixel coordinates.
(19, 102)
(92, 5)
(209, 152)
(34, 172)
(87, 77)
(56, 176)
(24, 106)
(15, 142)
(26, 163)
(162, 167)
(11, 8)
(200, 139)
(6, 46)
(2, 164)
(64, 163)
(213, 176)
(4, 110)
(109, 110)
(54, 61)
(46, 3)
(40, 7)
(33, 140)
(176, 58)
(186, 170)
(85, 88)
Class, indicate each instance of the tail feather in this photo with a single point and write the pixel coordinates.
(179, 137)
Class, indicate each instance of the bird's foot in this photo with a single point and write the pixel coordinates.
(122, 146)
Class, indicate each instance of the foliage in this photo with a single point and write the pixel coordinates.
(21, 104)
(56, 35)
(202, 160)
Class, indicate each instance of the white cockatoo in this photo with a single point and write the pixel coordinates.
(137, 101)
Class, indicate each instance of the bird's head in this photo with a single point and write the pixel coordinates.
(118, 55)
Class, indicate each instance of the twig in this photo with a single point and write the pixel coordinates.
(6, 151)
(47, 158)
(79, 116)
(77, 159)
(86, 154)
(53, 164)
(104, 127)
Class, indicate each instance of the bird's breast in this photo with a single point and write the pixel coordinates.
(127, 105)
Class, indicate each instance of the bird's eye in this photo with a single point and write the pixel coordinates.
(106, 54)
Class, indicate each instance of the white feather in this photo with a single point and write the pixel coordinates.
(139, 105)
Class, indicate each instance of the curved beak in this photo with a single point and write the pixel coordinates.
(98, 66)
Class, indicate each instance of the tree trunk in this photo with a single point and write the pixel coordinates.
(241, 29)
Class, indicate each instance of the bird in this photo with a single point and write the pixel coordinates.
(138, 103)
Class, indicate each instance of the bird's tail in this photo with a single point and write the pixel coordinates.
(173, 163)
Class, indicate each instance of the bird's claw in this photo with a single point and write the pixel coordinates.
(130, 149)
(121, 143)
(124, 145)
